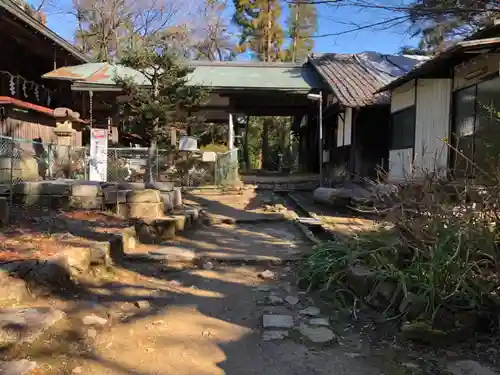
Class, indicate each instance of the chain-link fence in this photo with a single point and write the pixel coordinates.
(24, 160)
(184, 168)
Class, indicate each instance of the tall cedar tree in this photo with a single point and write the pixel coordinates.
(167, 101)
(261, 34)
(441, 22)
(302, 24)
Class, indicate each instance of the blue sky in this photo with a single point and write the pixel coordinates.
(331, 20)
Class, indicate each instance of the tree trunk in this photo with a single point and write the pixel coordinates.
(153, 146)
(265, 144)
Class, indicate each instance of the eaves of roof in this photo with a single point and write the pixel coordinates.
(17, 12)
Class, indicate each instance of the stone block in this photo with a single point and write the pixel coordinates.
(100, 254)
(112, 196)
(177, 197)
(59, 202)
(182, 222)
(135, 210)
(43, 188)
(155, 230)
(361, 280)
(129, 239)
(86, 203)
(168, 201)
(161, 186)
(85, 190)
(143, 196)
(4, 212)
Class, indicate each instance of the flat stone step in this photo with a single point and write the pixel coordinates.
(309, 221)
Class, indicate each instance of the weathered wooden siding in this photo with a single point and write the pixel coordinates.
(400, 164)
(403, 97)
(31, 126)
(432, 126)
(475, 69)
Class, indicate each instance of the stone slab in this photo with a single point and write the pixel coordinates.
(317, 334)
(25, 325)
(20, 367)
(173, 254)
(277, 321)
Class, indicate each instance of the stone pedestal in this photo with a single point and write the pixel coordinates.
(64, 133)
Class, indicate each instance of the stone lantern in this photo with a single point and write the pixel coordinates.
(64, 133)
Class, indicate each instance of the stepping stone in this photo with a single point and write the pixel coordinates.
(317, 335)
(267, 275)
(467, 367)
(274, 335)
(319, 322)
(277, 321)
(292, 300)
(310, 311)
(20, 367)
(263, 288)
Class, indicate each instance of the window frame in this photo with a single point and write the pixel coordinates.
(410, 109)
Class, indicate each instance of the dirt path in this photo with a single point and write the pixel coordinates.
(145, 318)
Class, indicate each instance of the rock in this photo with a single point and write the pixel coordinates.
(208, 266)
(361, 280)
(13, 290)
(467, 367)
(292, 300)
(142, 304)
(274, 300)
(274, 335)
(173, 254)
(318, 335)
(412, 306)
(92, 333)
(277, 321)
(94, 320)
(319, 322)
(25, 325)
(310, 311)
(422, 332)
(77, 370)
(154, 231)
(263, 288)
(267, 275)
(21, 367)
(175, 283)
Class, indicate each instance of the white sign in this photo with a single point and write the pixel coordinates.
(98, 163)
(188, 144)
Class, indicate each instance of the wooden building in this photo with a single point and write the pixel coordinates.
(30, 49)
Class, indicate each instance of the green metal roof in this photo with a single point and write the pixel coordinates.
(233, 75)
(17, 12)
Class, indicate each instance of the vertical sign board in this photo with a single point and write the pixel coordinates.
(98, 168)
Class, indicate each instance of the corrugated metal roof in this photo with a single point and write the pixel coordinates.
(234, 75)
(356, 78)
(103, 74)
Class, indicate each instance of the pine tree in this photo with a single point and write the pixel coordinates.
(167, 100)
(302, 24)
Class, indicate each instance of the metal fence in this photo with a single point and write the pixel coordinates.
(24, 160)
